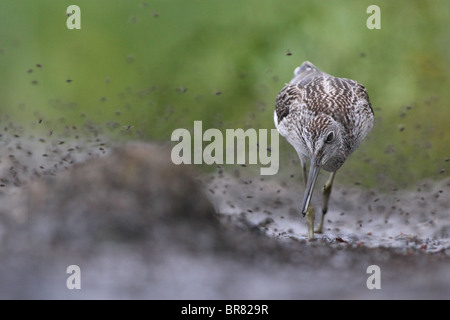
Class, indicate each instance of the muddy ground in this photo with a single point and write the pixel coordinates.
(140, 227)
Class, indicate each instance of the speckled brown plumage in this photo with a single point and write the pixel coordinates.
(324, 118)
(303, 105)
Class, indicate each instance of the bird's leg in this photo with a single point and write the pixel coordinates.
(310, 213)
(326, 197)
(310, 216)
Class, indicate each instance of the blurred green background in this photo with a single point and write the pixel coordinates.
(149, 67)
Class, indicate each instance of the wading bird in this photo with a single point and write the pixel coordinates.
(324, 118)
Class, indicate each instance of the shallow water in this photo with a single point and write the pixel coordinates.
(71, 213)
(402, 220)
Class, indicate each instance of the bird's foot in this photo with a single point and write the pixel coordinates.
(320, 228)
(310, 216)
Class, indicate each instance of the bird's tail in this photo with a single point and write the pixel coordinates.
(305, 72)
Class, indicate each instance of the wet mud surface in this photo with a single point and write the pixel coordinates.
(140, 227)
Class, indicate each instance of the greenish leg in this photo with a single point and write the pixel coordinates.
(326, 197)
(310, 216)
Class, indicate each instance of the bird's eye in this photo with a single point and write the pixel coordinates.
(330, 137)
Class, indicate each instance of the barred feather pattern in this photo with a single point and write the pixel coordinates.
(304, 107)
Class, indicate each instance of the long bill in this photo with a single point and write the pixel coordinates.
(312, 177)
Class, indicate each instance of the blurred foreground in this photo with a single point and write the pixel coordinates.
(140, 227)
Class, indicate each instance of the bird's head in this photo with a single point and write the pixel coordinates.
(324, 139)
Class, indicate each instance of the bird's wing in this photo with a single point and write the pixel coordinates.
(287, 96)
(292, 92)
(331, 95)
(362, 96)
(319, 92)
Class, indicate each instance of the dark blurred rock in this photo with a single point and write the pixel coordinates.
(140, 227)
(134, 197)
(135, 194)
